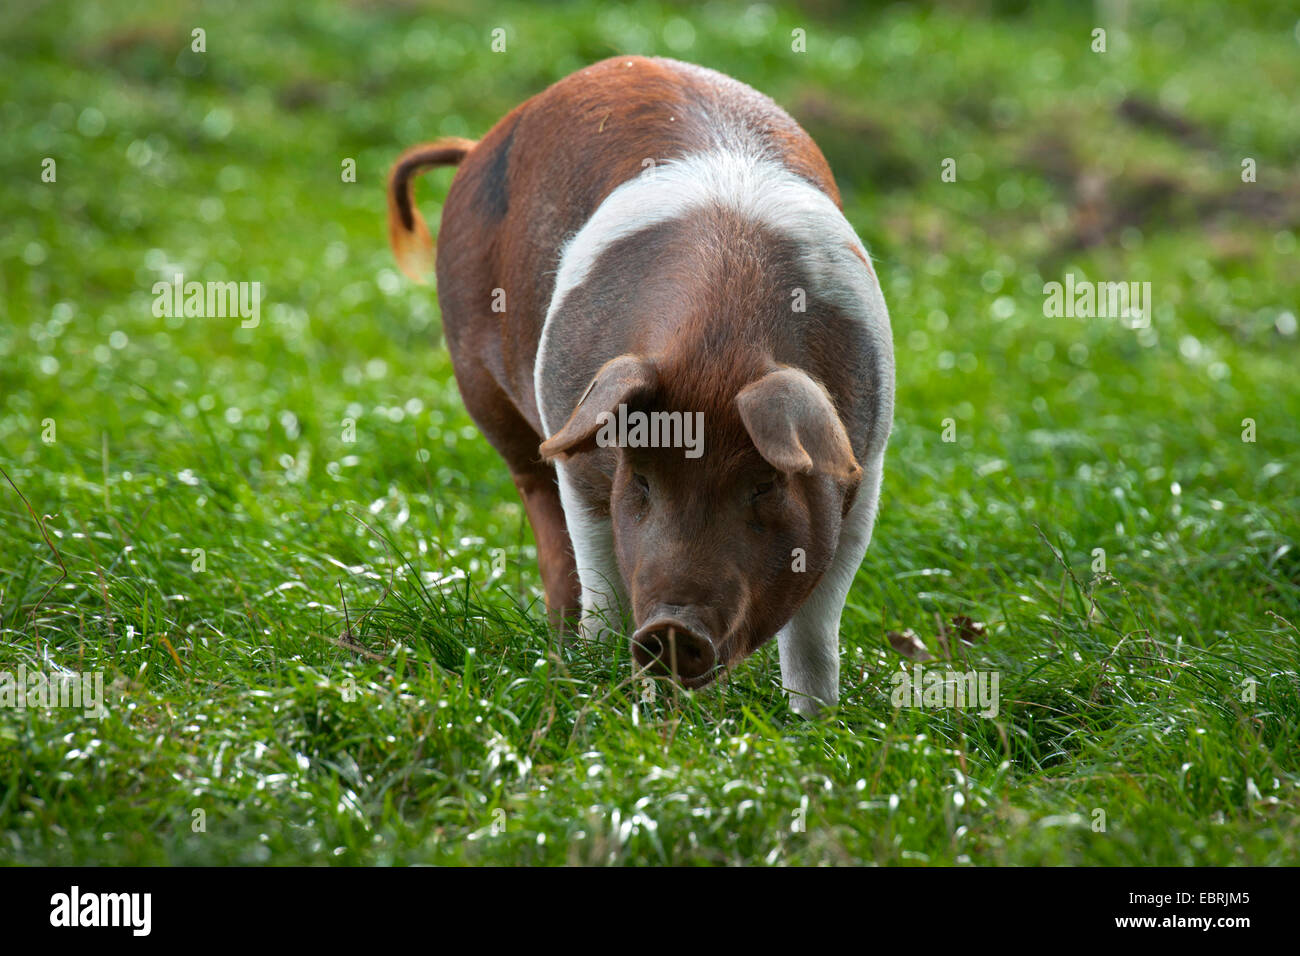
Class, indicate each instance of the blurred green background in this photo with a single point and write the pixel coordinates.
(175, 437)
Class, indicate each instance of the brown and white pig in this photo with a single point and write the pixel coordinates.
(647, 236)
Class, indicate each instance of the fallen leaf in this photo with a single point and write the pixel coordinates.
(349, 643)
(909, 645)
(970, 632)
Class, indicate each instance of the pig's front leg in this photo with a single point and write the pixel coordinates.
(604, 600)
(809, 644)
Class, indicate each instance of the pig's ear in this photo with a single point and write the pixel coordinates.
(795, 428)
(619, 381)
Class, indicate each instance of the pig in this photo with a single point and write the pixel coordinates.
(649, 237)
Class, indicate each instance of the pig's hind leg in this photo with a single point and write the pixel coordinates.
(809, 644)
(516, 441)
(541, 499)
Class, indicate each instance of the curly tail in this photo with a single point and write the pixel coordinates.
(407, 233)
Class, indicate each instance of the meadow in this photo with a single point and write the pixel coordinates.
(308, 582)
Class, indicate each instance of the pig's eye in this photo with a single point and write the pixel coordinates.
(641, 503)
(762, 488)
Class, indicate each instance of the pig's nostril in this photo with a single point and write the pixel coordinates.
(671, 649)
(652, 647)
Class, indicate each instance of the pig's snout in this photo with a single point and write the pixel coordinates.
(668, 646)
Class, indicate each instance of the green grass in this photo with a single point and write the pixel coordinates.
(232, 690)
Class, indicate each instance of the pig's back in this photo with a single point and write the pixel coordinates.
(622, 117)
(573, 197)
(696, 259)
(542, 172)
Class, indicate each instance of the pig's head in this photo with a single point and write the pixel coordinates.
(718, 543)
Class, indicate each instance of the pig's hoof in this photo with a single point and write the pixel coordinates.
(810, 708)
(597, 630)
